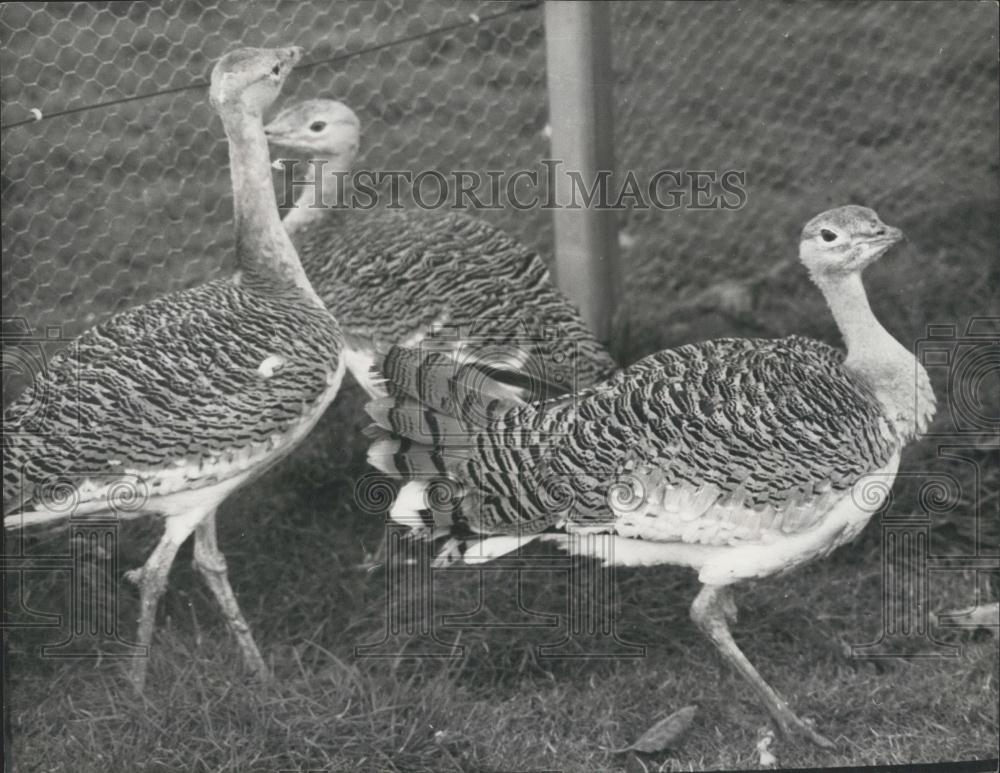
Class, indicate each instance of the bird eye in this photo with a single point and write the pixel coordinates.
(276, 70)
(828, 235)
(317, 126)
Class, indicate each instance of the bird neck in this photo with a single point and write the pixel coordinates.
(263, 250)
(896, 377)
(326, 189)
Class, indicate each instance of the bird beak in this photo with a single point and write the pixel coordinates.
(886, 237)
(272, 133)
(276, 138)
(894, 235)
(881, 243)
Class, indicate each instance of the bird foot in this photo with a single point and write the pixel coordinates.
(793, 727)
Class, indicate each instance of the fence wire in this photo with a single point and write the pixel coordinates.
(887, 104)
(109, 207)
(890, 104)
(893, 105)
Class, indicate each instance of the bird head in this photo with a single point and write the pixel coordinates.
(249, 79)
(323, 127)
(845, 240)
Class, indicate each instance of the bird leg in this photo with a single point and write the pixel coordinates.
(211, 564)
(712, 611)
(152, 581)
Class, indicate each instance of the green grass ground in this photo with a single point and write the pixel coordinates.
(841, 103)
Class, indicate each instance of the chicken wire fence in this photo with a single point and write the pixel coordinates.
(112, 206)
(888, 104)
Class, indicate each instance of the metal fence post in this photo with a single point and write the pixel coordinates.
(578, 65)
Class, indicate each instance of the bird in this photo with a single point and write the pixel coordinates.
(738, 458)
(395, 275)
(178, 403)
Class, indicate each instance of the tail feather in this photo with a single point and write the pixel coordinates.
(402, 458)
(478, 551)
(448, 429)
(21, 520)
(410, 507)
(436, 407)
(442, 381)
(409, 418)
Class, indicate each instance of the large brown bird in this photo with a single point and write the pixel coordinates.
(739, 458)
(177, 403)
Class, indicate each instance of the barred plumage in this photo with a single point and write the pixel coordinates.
(740, 458)
(775, 427)
(187, 398)
(171, 394)
(394, 275)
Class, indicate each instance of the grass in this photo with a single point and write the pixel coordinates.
(499, 706)
(841, 103)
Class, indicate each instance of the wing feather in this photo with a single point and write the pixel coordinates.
(193, 380)
(394, 277)
(735, 434)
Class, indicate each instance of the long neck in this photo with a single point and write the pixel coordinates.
(898, 380)
(866, 340)
(316, 198)
(264, 251)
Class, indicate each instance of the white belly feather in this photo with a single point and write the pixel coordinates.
(724, 563)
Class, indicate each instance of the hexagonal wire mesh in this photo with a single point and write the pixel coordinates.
(109, 207)
(888, 104)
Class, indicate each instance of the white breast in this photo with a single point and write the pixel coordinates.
(723, 564)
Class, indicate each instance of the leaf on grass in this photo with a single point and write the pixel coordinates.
(665, 734)
(765, 737)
